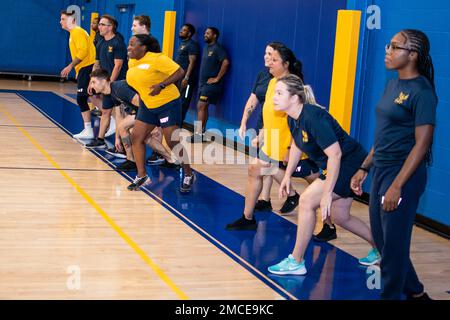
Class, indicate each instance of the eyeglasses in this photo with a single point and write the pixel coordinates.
(394, 47)
(104, 24)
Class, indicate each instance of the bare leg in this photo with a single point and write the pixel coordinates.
(202, 114)
(140, 132)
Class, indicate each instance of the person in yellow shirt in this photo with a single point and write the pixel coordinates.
(153, 75)
(82, 51)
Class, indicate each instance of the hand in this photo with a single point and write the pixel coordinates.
(325, 205)
(357, 181)
(391, 198)
(65, 72)
(242, 130)
(118, 145)
(285, 187)
(184, 83)
(155, 90)
(212, 80)
(89, 90)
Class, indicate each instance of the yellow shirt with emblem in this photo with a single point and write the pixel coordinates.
(81, 47)
(277, 136)
(151, 70)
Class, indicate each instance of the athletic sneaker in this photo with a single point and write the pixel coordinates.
(128, 165)
(116, 153)
(87, 133)
(98, 143)
(288, 266)
(242, 224)
(187, 183)
(373, 257)
(96, 112)
(137, 183)
(263, 205)
(167, 164)
(326, 234)
(155, 159)
(290, 204)
(112, 128)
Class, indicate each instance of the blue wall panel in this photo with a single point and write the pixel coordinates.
(308, 27)
(32, 40)
(432, 18)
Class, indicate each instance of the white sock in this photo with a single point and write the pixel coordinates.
(87, 125)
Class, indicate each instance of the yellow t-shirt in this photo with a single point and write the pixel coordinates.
(277, 136)
(152, 69)
(81, 47)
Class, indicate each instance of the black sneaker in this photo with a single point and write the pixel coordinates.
(326, 234)
(116, 153)
(242, 224)
(263, 205)
(155, 159)
(423, 297)
(128, 165)
(137, 183)
(290, 204)
(187, 183)
(96, 112)
(98, 143)
(195, 138)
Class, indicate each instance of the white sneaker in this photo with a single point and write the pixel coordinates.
(87, 133)
(112, 128)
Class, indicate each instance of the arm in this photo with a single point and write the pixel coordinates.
(361, 175)
(424, 137)
(248, 110)
(116, 70)
(65, 72)
(334, 155)
(222, 71)
(174, 77)
(294, 157)
(190, 69)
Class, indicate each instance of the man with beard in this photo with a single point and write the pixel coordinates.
(212, 70)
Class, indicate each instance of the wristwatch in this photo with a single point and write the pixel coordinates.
(162, 85)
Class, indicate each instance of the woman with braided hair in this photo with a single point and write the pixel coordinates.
(405, 119)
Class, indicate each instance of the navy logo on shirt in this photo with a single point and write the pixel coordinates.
(305, 137)
(110, 49)
(402, 97)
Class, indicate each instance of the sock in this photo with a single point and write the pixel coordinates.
(87, 125)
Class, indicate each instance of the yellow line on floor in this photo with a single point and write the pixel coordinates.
(160, 273)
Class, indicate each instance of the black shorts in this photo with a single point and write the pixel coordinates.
(83, 79)
(305, 168)
(164, 116)
(209, 93)
(348, 168)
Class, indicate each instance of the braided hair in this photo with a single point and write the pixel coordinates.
(419, 43)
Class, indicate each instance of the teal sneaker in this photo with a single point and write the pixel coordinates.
(288, 266)
(373, 257)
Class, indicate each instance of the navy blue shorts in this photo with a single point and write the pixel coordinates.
(83, 79)
(305, 168)
(121, 93)
(209, 93)
(349, 166)
(164, 116)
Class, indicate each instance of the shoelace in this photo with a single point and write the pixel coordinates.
(137, 179)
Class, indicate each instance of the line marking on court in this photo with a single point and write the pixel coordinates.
(159, 272)
(272, 284)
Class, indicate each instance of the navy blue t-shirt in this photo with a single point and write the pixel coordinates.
(405, 105)
(261, 84)
(213, 56)
(108, 50)
(187, 48)
(121, 92)
(315, 130)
